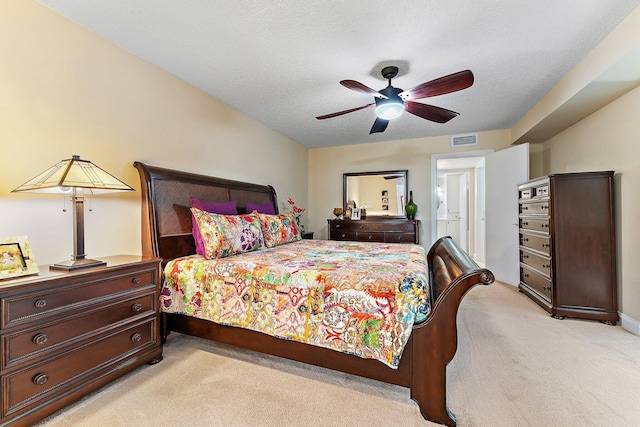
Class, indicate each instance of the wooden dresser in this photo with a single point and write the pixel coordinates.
(568, 245)
(64, 335)
(374, 230)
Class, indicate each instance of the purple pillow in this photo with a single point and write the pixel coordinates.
(222, 208)
(267, 208)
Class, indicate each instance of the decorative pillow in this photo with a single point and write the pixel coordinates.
(225, 235)
(279, 229)
(267, 208)
(223, 208)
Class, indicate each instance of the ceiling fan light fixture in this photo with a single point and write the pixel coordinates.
(389, 109)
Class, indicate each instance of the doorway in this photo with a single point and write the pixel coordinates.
(459, 200)
(495, 203)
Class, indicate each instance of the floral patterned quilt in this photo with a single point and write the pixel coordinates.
(355, 297)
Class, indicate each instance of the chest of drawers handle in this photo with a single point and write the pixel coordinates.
(41, 303)
(136, 337)
(343, 236)
(40, 379)
(136, 280)
(40, 339)
(337, 225)
(136, 307)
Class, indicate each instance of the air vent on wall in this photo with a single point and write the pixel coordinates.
(464, 140)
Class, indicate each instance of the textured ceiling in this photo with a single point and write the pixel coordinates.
(280, 61)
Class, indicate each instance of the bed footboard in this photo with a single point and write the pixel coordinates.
(452, 274)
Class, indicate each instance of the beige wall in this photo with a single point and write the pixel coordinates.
(326, 166)
(608, 140)
(65, 91)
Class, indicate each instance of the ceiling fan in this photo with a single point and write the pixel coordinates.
(390, 102)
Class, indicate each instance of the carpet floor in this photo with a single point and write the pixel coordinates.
(515, 366)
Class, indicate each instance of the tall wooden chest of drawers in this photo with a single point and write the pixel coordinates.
(64, 335)
(374, 230)
(568, 245)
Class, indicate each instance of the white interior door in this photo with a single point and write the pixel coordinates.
(504, 171)
(480, 215)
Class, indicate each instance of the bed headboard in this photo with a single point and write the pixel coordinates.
(166, 218)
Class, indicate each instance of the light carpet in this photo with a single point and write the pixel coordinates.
(515, 366)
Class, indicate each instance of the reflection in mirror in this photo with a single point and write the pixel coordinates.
(380, 193)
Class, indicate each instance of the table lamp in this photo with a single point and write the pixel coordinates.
(75, 177)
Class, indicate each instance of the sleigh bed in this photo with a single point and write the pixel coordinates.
(420, 354)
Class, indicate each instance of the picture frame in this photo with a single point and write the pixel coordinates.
(385, 207)
(16, 258)
(355, 213)
(385, 193)
(385, 200)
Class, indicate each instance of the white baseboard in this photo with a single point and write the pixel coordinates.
(630, 324)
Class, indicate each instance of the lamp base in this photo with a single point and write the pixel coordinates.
(76, 264)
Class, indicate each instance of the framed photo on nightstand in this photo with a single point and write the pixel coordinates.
(16, 258)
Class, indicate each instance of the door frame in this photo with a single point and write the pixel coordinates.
(434, 181)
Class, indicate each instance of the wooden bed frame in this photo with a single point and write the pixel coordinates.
(166, 233)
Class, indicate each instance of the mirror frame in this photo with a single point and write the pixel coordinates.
(404, 172)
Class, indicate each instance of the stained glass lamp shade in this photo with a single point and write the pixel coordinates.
(76, 178)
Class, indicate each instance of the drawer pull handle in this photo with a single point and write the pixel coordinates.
(136, 280)
(337, 225)
(524, 239)
(525, 275)
(41, 303)
(545, 225)
(343, 236)
(525, 256)
(524, 208)
(40, 339)
(546, 288)
(136, 307)
(546, 265)
(370, 237)
(136, 337)
(41, 379)
(525, 223)
(545, 245)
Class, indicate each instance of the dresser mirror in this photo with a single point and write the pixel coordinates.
(380, 194)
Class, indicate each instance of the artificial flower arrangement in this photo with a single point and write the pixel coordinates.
(297, 211)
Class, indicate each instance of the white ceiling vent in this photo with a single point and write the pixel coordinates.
(464, 140)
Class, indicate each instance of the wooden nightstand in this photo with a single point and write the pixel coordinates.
(308, 235)
(64, 335)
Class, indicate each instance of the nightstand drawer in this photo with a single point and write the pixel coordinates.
(46, 339)
(34, 306)
(30, 386)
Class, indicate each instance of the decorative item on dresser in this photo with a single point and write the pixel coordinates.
(374, 230)
(568, 245)
(65, 334)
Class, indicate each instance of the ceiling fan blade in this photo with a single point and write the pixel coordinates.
(429, 112)
(379, 125)
(446, 84)
(359, 87)
(339, 113)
